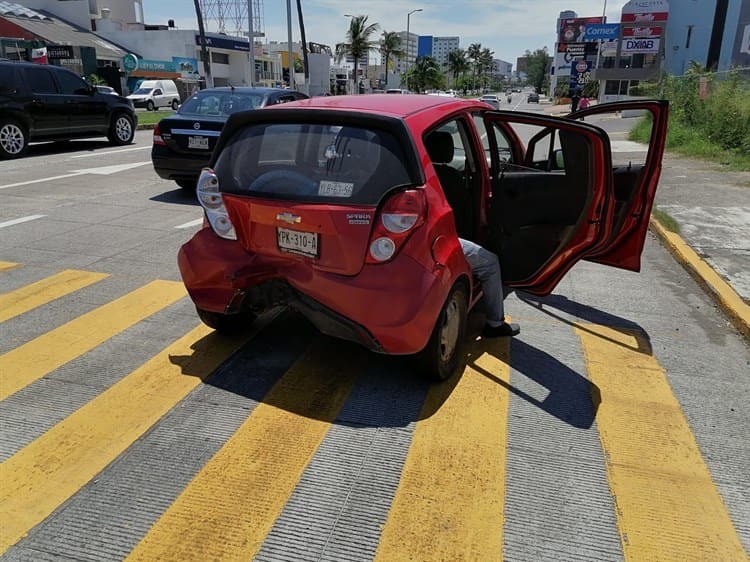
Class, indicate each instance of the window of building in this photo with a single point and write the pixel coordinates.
(688, 36)
(220, 58)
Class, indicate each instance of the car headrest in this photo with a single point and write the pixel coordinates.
(439, 146)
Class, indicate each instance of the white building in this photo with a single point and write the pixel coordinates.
(441, 47)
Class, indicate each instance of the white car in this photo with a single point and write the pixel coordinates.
(491, 99)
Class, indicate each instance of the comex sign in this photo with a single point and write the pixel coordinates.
(602, 31)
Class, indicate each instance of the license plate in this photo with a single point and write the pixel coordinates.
(198, 142)
(296, 242)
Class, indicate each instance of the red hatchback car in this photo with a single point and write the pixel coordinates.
(349, 209)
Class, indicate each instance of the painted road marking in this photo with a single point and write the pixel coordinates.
(45, 290)
(450, 502)
(101, 171)
(111, 152)
(241, 491)
(39, 357)
(191, 224)
(6, 265)
(21, 220)
(668, 507)
(40, 477)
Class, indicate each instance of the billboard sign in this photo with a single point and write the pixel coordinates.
(643, 31)
(741, 50)
(573, 30)
(572, 51)
(579, 74)
(639, 45)
(601, 31)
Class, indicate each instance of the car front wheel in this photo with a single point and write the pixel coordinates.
(13, 139)
(175, 105)
(121, 130)
(444, 354)
(150, 105)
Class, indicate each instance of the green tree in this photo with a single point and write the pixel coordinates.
(537, 68)
(475, 49)
(358, 43)
(390, 46)
(426, 75)
(457, 64)
(486, 64)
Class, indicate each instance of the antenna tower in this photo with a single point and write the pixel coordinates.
(230, 16)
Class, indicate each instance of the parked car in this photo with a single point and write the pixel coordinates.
(183, 142)
(349, 210)
(491, 99)
(153, 94)
(51, 103)
(533, 97)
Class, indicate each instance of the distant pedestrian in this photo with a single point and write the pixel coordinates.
(574, 100)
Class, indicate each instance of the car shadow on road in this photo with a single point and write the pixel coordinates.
(177, 196)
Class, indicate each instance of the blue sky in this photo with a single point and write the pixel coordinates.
(508, 28)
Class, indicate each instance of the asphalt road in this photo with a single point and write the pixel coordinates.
(614, 427)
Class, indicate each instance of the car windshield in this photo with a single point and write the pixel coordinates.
(142, 91)
(220, 103)
(312, 162)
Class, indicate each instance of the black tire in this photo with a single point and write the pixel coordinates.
(187, 185)
(150, 105)
(121, 129)
(175, 105)
(14, 140)
(226, 323)
(444, 354)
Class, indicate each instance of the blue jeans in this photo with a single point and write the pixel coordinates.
(485, 265)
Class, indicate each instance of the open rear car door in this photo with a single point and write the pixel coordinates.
(551, 204)
(636, 169)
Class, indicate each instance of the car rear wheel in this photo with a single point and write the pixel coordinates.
(187, 185)
(121, 130)
(150, 105)
(13, 139)
(175, 105)
(226, 323)
(444, 354)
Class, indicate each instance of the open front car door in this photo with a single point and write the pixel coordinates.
(636, 169)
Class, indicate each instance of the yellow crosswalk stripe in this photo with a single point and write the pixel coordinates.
(230, 506)
(668, 507)
(450, 502)
(45, 290)
(5, 265)
(39, 357)
(40, 477)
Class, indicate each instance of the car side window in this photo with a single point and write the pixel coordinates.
(40, 80)
(485, 130)
(157, 92)
(7, 79)
(71, 84)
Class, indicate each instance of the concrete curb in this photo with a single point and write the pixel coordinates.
(724, 295)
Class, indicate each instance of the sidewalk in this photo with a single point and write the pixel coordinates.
(712, 208)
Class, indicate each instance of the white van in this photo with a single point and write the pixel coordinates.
(153, 94)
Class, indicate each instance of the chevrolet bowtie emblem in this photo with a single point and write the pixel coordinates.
(289, 218)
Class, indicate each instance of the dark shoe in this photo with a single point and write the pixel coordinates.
(503, 330)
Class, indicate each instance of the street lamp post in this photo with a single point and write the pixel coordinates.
(408, 44)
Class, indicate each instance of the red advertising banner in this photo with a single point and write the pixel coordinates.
(643, 31)
(644, 17)
(573, 30)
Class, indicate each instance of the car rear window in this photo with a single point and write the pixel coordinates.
(220, 103)
(312, 162)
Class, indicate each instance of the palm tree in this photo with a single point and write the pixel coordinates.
(358, 43)
(485, 64)
(473, 53)
(457, 64)
(426, 74)
(390, 46)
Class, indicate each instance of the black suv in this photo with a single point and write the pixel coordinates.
(49, 103)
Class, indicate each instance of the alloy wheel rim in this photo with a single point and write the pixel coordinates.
(449, 330)
(11, 139)
(123, 128)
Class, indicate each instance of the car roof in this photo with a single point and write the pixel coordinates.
(384, 104)
(245, 90)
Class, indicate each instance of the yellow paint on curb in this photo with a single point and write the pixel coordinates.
(39, 357)
(668, 507)
(726, 297)
(5, 265)
(45, 290)
(40, 477)
(230, 506)
(450, 502)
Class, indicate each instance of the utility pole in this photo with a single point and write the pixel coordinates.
(251, 41)
(204, 51)
(289, 33)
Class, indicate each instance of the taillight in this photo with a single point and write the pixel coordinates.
(212, 202)
(157, 135)
(400, 216)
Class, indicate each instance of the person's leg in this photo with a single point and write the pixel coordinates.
(485, 265)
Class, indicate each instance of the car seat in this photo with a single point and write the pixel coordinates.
(440, 148)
